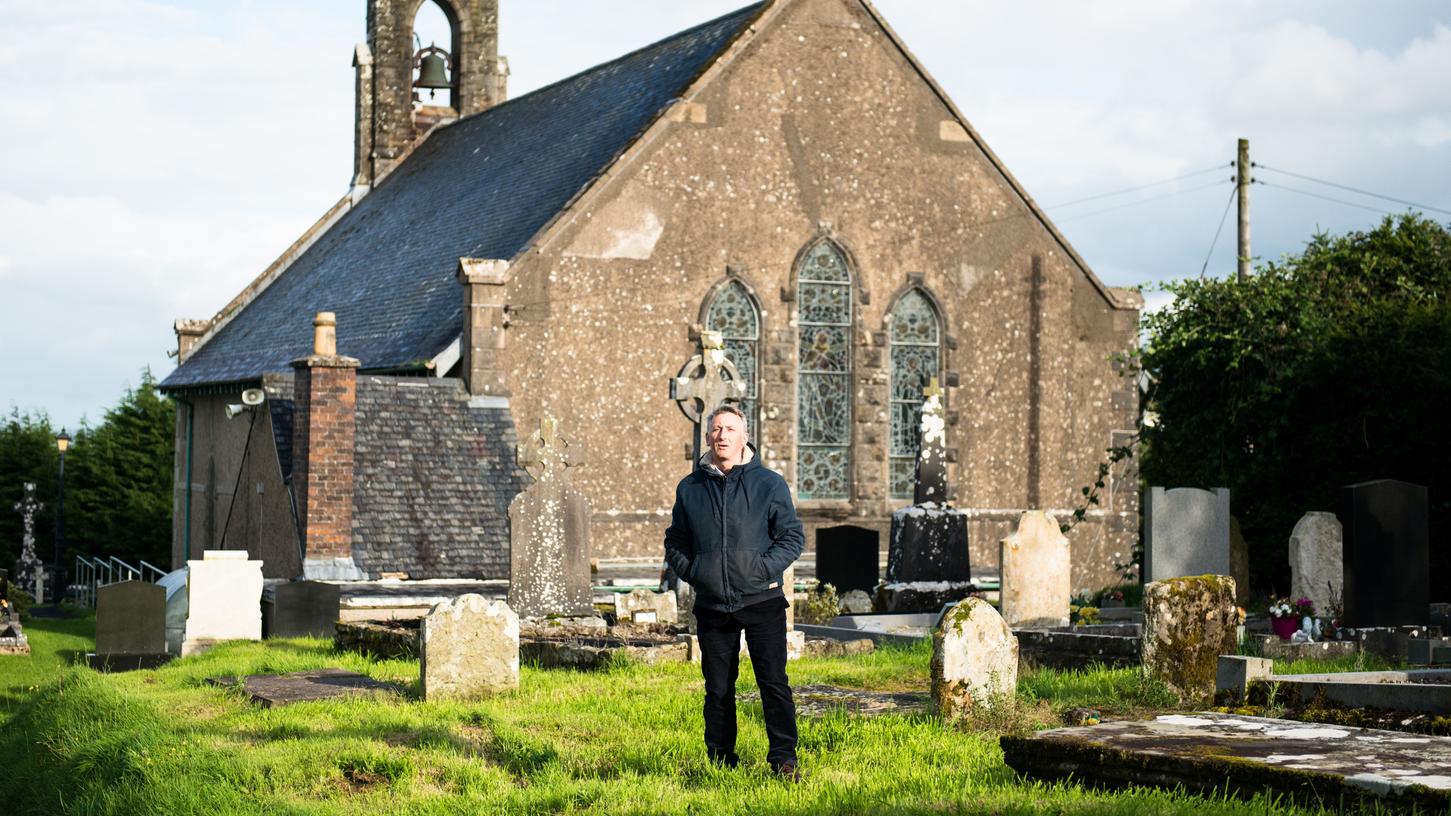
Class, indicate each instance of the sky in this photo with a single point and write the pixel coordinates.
(158, 154)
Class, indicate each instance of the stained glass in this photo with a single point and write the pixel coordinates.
(733, 314)
(916, 359)
(823, 389)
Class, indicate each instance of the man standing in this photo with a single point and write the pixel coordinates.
(732, 535)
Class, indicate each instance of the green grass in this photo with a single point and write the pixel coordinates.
(626, 740)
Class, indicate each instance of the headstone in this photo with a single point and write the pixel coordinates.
(1036, 563)
(846, 557)
(929, 539)
(12, 637)
(468, 648)
(1238, 561)
(1387, 554)
(1188, 533)
(174, 583)
(644, 606)
(705, 382)
(1188, 623)
(549, 532)
(224, 600)
(856, 602)
(28, 572)
(1317, 569)
(130, 619)
(974, 659)
(302, 609)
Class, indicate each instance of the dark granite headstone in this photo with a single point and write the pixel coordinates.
(1387, 554)
(846, 557)
(131, 619)
(929, 544)
(302, 609)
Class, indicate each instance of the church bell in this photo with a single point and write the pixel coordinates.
(433, 70)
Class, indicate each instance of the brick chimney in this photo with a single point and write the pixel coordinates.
(322, 455)
(485, 285)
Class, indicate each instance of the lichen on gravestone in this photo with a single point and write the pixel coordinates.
(1188, 623)
(974, 659)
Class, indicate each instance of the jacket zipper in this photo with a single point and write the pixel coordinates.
(724, 562)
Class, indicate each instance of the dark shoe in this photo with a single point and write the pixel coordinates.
(789, 772)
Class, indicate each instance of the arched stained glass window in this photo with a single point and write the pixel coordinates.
(823, 388)
(916, 359)
(733, 313)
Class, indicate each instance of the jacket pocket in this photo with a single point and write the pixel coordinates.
(748, 572)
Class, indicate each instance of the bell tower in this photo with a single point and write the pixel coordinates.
(405, 86)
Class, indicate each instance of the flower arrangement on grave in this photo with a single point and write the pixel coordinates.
(1286, 615)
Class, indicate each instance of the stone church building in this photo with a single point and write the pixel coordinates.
(788, 175)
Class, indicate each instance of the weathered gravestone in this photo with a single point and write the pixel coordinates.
(1238, 561)
(1188, 533)
(130, 619)
(549, 532)
(468, 647)
(1317, 569)
(644, 606)
(12, 637)
(929, 539)
(224, 600)
(1188, 623)
(302, 609)
(29, 572)
(1036, 564)
(1387, 555)
(974, 659)
(846, 557)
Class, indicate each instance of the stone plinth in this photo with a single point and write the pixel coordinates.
(468, 648)
(1317, 567)
(224, 600)
(1188, 533)
(1036, 564)
(644, 606)
(974, 659)
(929, 543)
(131, 619)
(1188, 624)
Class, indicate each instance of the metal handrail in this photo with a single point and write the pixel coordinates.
(94, 573)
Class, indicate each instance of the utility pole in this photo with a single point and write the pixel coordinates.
(1242, 180)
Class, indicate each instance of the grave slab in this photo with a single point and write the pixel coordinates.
(821, 700)
(1206, 752)
(269, 690)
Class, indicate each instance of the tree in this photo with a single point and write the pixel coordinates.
(121, 481)
(1324, 369)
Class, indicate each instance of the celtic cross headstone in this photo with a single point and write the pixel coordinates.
(549, 531)
(30, 571)
(705, 382)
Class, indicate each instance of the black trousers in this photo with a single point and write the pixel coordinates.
(764, 625)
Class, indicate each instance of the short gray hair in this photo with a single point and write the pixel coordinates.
(727, 408)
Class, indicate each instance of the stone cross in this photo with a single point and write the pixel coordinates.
(705, 382)
(931, 477)
(549, 532)
(29, 568)
(547, 454)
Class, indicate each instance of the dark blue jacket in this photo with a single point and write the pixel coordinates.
(732, 535)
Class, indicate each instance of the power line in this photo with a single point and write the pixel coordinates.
(1141, 201)
(1218, 230)
(1322, 197)
(1140, 187)
(1353, 190)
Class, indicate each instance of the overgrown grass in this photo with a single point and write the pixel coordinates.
(626, 740)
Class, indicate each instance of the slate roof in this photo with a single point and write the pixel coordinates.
(433, 475)
(480, 188)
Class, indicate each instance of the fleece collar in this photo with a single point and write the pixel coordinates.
(707, 462)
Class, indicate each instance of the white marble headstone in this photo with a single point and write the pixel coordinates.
(224, 600)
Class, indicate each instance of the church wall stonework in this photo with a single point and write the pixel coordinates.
(819, 127)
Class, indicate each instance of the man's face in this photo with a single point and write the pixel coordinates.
(727, 437)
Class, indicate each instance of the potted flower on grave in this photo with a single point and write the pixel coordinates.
(1286, 616)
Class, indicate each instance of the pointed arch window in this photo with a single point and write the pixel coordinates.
(823, 385)
(916, 358)
(733, 313)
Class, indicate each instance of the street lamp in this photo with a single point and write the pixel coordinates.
(62, 442)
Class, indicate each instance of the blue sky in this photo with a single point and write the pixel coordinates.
(160, 153)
